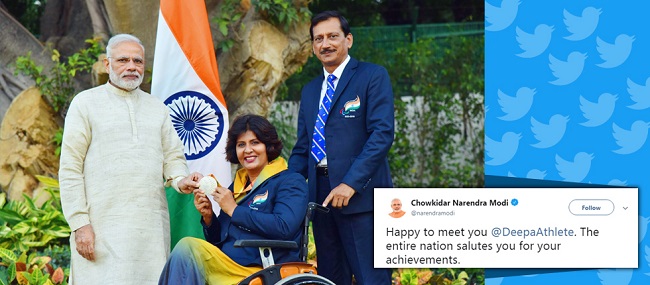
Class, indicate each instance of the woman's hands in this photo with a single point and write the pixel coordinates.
(226, 201)
(221, 195)
(203, 205)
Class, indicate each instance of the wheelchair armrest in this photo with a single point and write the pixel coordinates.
(265, 243)
(265, 246)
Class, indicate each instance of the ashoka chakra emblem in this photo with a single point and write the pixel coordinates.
(198, 121)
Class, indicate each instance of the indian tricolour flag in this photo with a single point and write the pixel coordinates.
(186, 78)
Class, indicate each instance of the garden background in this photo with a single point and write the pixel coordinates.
(433, 51)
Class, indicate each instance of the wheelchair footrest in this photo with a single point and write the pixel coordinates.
(275, 273)
(269, 275)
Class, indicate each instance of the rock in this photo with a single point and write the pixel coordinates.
(26, 147)
(270, 56)
(99, 73)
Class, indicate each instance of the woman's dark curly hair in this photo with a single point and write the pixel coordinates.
(263, 130)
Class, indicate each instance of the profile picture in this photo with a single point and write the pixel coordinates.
(396, 205)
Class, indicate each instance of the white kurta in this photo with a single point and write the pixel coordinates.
(117, 148)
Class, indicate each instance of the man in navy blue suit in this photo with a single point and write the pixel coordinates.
(342, 151)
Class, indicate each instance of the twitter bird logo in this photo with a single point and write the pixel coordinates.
(614, 276)
(532, 174)
(598, 113)
(536, 43)
(617, 182)
(632, 140)
(549, 134)
(614, 54)
(576, 170)
(500, 17)
(643, 227)
(567, 71)
(536, 174)
(647, 256)
(640, 94)
(583, 26)
(518, 106)
(503, 151)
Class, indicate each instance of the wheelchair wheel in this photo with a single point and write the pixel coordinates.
(305, 279)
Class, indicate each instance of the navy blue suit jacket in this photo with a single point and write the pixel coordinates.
(275, 210)
(358, 133)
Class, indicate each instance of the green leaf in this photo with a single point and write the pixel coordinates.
(48, 181)
(23, 257)
(6, 233)
(12, 271)
(7, 255)
(409, 277)
(10, 216)
(23, 228)
(30, 276)
(40, 261)
(227, 44)
(58, 231)
(223, 28)
(36, 243)
(29, 202)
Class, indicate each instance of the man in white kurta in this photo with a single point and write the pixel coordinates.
(118, 148)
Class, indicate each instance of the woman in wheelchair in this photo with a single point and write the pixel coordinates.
(265, 201)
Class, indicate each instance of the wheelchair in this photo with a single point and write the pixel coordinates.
(291, 273)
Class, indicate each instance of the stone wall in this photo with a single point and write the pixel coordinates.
(26, 147)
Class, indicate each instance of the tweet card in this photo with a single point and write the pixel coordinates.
(506, 228)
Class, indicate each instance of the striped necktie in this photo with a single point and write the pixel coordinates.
(318, 139)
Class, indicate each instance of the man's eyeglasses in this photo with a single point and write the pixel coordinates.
(124, 60)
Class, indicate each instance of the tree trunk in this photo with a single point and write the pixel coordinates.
(16, 41)
(65, 25)
(99, 19)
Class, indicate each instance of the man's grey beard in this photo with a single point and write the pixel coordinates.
(124, 84)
